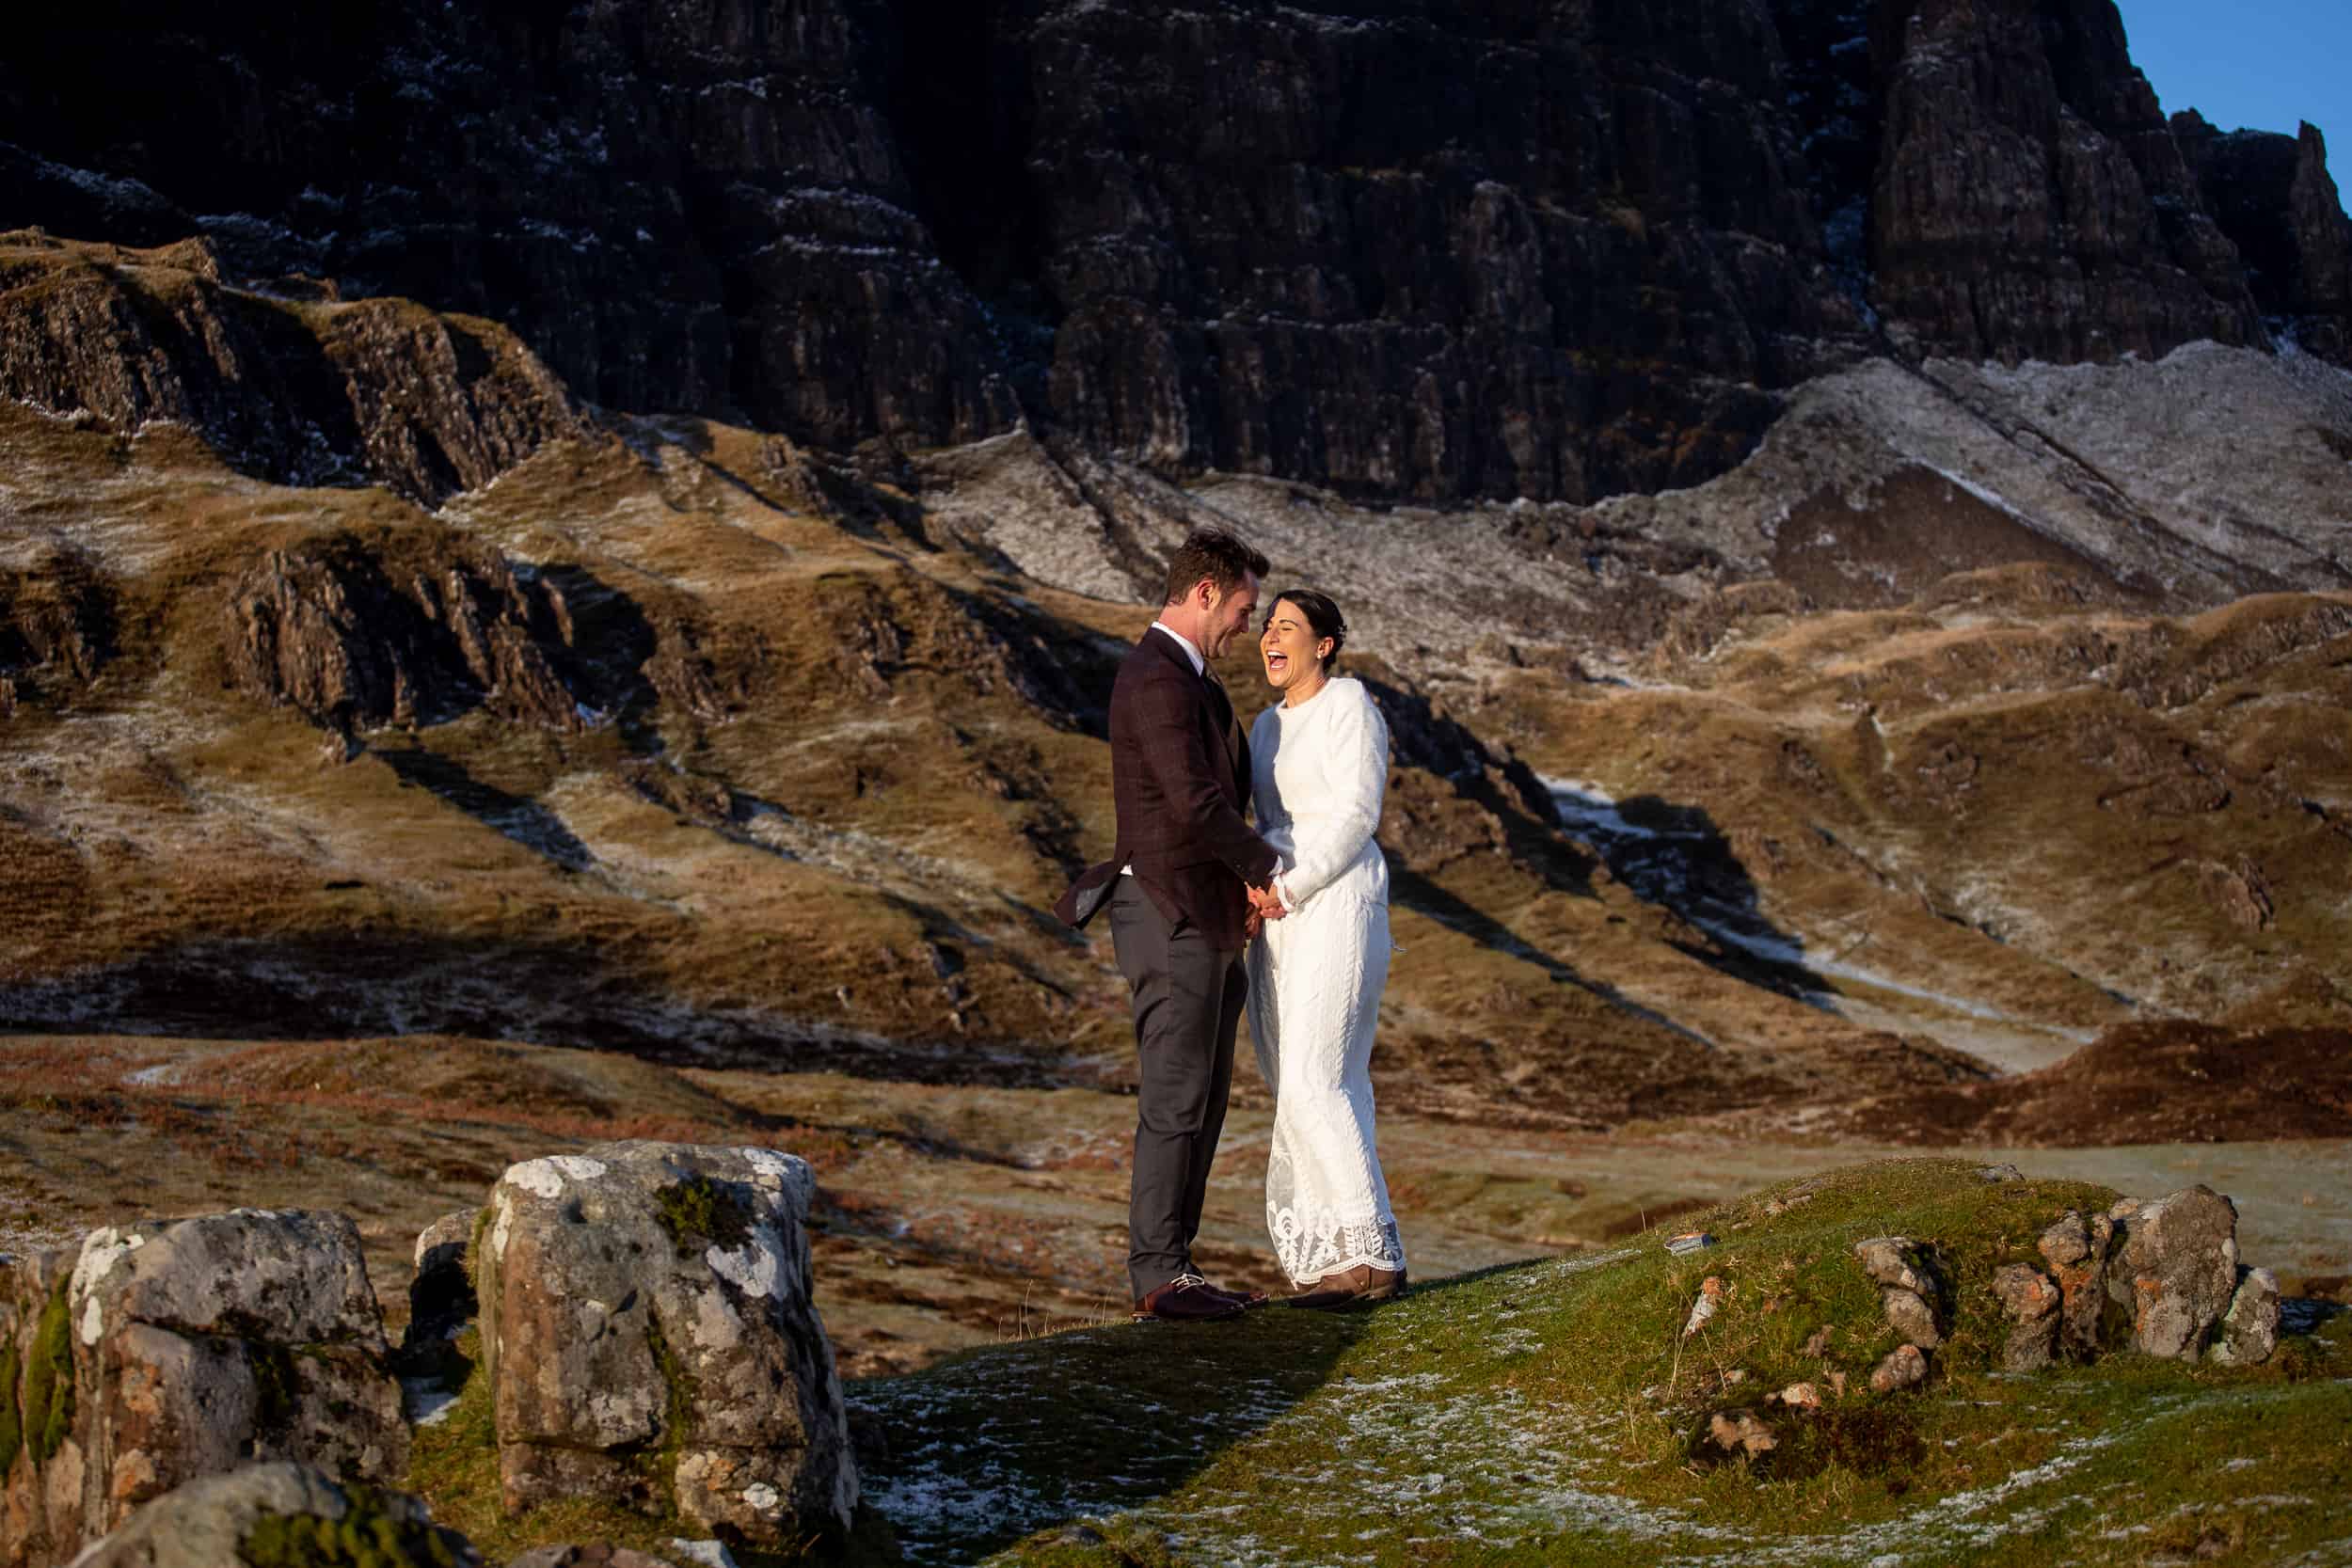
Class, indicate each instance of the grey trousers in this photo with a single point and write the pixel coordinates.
(1188, 998)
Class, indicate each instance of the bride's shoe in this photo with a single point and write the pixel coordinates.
(1358, 1286)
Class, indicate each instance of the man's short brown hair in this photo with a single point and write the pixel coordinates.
(1215, 553)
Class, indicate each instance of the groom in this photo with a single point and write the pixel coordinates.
(1185, 887)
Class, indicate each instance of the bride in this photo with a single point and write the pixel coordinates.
(1320, 761)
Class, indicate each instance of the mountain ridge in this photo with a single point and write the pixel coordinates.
(1562, 252)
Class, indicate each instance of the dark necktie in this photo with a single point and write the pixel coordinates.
(1221, 704)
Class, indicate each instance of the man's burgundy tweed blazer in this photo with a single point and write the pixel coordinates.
(1180, 779)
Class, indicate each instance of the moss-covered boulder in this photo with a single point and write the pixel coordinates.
(649, 1335)
(157, 1353)
(281, 1515)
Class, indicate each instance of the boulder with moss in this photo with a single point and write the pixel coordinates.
(158, 1353)
(280, 1515)
(649, 1334)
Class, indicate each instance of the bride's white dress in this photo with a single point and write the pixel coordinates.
(1315, 977)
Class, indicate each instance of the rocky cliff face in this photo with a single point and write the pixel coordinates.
(1558, 250)
(2029, 200)
(2273, 195)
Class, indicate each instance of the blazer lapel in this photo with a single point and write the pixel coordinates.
(1213, 696)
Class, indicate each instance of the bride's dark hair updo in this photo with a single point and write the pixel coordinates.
(1322, 615)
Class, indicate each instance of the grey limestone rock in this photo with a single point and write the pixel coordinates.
(1893, 1263)
(1904, 1367)
(642, 1298)
(1908, 1315)
(209, 1522)
(2249, 1329)
(1912, 1291)
(2176, 1270)
(182, 1348)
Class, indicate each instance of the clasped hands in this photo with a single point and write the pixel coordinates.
(1264, 905)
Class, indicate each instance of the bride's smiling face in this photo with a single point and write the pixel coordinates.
(1294, 655)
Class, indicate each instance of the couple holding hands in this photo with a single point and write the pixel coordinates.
(1291, 917)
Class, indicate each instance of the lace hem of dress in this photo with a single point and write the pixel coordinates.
(1308, 1255)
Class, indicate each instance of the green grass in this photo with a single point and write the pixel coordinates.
(454, 1464)
(49, 1381)
(1552, 1414)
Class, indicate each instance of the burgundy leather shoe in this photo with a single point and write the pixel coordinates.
(1187, 1299)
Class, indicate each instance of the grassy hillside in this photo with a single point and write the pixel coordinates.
(1551, 1412)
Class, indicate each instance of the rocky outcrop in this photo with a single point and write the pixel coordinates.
(2175, 1269)
(648, 1333)
(2029, 200)
(2273, 196)
(1913, 1292)
(157, 1354)
(2032, 1303)
(57, 626)
(405, 630)
(302, 393)
(700, 208)
(2157, 1275)
(280, 1513)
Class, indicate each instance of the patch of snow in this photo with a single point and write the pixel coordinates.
(426, 1401)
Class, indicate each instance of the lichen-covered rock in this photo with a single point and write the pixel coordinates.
(2032, 1301)
(2175, 1269)
(2249, 1329)
(1908, 1315)
(1905, 1367)
(440, 1297)
(648, 1329)
(280, 1515)
(1896, 1263)
(2078, 1247)
(162, 1353)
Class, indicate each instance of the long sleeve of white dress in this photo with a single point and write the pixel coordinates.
(1350, 752)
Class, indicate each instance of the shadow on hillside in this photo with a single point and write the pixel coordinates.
(557, 993)
(517, 817)
(976, 1453)
(986, 1450)
(1676, 859)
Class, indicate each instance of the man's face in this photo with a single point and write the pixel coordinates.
(1227, 614)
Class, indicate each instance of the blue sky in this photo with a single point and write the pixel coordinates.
(2262, 64)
